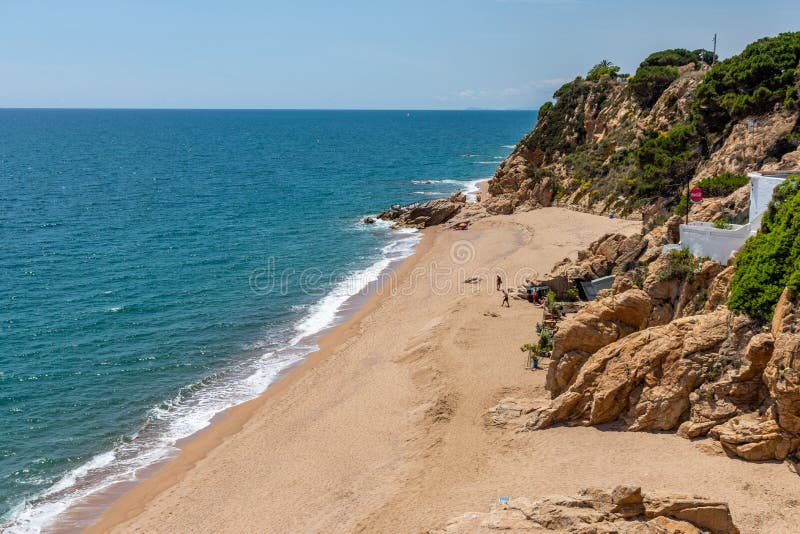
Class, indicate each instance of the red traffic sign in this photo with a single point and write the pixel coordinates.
(696, 195)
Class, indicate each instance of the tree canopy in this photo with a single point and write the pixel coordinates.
(763, 75)
(770, 260)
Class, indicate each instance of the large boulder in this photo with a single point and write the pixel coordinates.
(755, 437)
(426, 214)
(739, 390)
(624, 510)
(600, 323)
(646, 378)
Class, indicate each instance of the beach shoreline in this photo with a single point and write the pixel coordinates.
(90, 512)
(387, 428)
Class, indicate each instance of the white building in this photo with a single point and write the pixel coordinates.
(703, 239)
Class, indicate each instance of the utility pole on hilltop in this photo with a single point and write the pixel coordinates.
(714, 55)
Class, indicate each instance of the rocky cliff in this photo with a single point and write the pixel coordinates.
(629, 146)
(680, 343)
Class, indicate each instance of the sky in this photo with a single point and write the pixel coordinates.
(313, 54)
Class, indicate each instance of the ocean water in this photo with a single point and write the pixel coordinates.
(157, 267)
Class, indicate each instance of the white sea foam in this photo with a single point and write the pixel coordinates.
(325, 313)
(509, 146)
(430, 193)
(196, 405)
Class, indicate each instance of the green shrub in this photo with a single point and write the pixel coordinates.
(649, 83)
(572, 294)
(770, 260)
(752, 82)
(604, 69)
(683, 206)
(722, 185)
(723, 223)
(667, 161)
(545, 109)
(564, 128)
(681, 264)
(674, 57)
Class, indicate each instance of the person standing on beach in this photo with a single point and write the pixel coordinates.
(505, 299)
(499, 282)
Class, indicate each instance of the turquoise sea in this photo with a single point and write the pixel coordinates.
(157, 267)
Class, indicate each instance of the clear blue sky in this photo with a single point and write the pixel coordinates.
(346, 54)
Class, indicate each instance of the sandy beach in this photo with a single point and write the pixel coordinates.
(386, 428)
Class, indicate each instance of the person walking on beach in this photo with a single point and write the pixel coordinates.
(505, 299)
(499, 282)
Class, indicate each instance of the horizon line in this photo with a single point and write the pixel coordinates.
(79, 108)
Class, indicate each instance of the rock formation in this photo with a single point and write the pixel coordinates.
(646, 378)
(708, 372)
(422, 215)
(623, 510)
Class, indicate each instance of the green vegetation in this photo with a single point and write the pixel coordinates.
(723, 223)
(676, 57)
(604, 69)
(649, 83)
(572, 294)
(755, 81)
(543, 346)
(563, 128)
(681, 264)
(545, 109)
(723, 184)
(624, 171)
(552, 304)
(667, 160)
(545, 337)
(683, 206)
(770, 260)
(659, 70)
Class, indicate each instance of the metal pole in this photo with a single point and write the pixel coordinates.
(688, 199)
(714, 55)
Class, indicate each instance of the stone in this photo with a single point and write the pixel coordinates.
(598, 324)
(646, 378)
(719, 289)
(712, 516)
(368, 220)
(422, 215)
(755, 437)
(624, 510)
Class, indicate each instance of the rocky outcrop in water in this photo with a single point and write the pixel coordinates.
(422, 215)
(623, 510)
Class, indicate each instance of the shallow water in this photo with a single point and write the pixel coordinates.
(157, 267)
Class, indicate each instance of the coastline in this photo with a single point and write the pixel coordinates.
(89, 513)
(391, 414)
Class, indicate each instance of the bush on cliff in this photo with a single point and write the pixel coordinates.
(560, 128)
(544, 110)
(604, 69)
(762, 76)
(770, 260)
(723, 184)
(667, 161)
(650, 82)
(676, 57)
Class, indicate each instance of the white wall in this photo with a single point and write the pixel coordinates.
(702, 239)
(761, 193)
